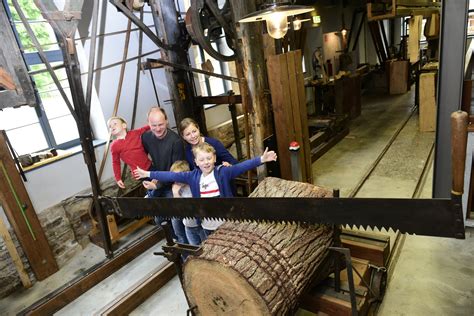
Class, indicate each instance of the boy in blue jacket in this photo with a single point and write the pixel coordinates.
(207, 180)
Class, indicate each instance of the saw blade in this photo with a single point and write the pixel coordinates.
(430, 217)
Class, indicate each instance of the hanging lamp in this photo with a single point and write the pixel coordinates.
(276, 16)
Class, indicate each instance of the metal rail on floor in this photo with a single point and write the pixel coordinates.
(380, 156)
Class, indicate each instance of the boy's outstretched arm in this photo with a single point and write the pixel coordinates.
(140, 173)
(268, 156)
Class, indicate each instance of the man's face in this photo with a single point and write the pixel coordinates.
(205, 161)
(158, 124)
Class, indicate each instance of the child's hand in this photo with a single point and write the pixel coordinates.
(140, 173)
(175, 188)
(268, 156)
(226, 164)
(150, 185)
(121, 184)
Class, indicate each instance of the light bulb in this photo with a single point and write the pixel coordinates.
(344, 32)
(297, 24)
(277, 25)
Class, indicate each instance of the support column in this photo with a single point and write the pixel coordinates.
(180, 82)
(252, 60)
(450, 82)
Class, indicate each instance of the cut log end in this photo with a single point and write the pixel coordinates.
(238, 298)
(258, 269)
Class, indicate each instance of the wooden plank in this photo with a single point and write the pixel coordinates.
(303, 115)
(275, 71)
(294, 105)
(328, 301)
(362, 266)
(6, 81)
(72, 290)
(398, 74)
(317, 139)
(22, 216)
(375, 252)
(427, 117)
(366, 235)
(414, 38)
(20, 268)
(140, 291)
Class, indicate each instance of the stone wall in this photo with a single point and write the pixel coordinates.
(9, 278)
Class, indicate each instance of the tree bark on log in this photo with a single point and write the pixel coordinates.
(258, 268)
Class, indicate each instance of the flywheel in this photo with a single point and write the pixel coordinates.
(207, 23)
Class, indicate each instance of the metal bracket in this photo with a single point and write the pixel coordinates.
(350, 277)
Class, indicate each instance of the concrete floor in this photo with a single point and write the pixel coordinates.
(432, 276)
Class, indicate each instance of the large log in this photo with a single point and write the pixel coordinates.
(256, 268)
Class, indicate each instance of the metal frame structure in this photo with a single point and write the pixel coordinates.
(450, 83)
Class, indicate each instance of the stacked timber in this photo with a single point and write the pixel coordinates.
(257, 268)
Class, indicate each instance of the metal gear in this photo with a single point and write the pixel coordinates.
(205, 22)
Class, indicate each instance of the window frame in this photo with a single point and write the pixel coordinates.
(31, 59)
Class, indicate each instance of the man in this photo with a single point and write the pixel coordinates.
(164, 147)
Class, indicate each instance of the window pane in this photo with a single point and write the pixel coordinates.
(17, 117)
(45, 84)
(44, 34)
(64, 129)
(27, 139)
(54, 104)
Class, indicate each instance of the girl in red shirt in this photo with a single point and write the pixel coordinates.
(127, 147)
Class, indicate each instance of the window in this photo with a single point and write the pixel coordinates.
(50, 124)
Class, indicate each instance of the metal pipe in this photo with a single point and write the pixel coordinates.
(117, 97)
(154, 87)
(137, 80)
(131, 17)
(90, 73)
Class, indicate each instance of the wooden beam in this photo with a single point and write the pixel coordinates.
(7, 238)
(72, 290)
(22, 216)
(221, 99)
(140, 291)
(6, 80)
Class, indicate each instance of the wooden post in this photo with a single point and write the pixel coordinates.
(251, 57)
(427, 103)
(289, 111)
(7, 238)
(180, 83)
(22, 216)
